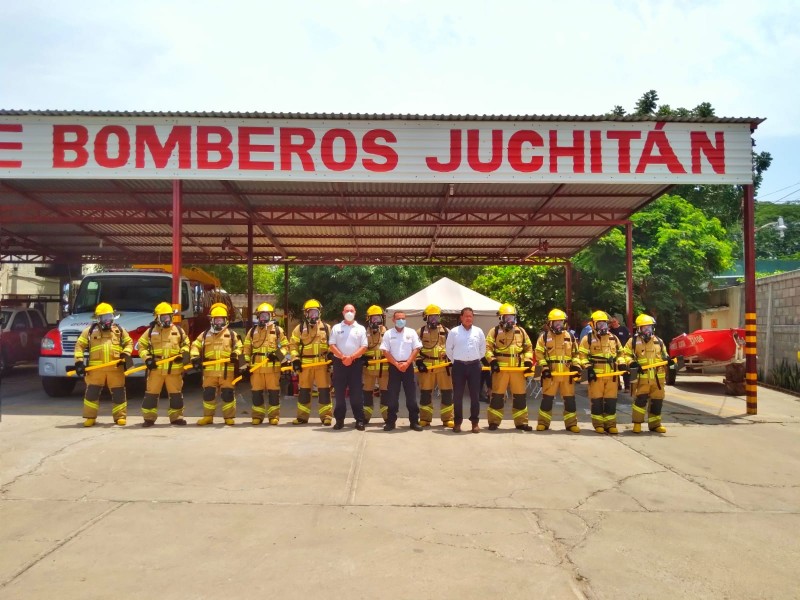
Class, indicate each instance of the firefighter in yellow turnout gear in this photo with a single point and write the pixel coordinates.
(375, 374)
(265, 343)
(309, 345)
(508, 345)
(161, 341)
(600, 353)
(218, 343)
(646, 348)
(557, 352)
(433, 336)
(105, 342)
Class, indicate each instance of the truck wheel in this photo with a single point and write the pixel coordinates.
(58, 387)
(5, 366)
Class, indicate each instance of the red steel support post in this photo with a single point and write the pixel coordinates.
(177, 237)
(248, 320)
(568, 293)
(750, 359)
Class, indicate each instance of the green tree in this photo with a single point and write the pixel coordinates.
(233, 278)
(363, 286)
(769, 243)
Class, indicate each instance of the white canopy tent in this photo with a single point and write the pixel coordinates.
(451, 297)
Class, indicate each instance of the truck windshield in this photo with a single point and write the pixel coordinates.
(138, 293)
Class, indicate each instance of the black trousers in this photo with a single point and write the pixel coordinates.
(467, 375)
(345, 377)
(406, 379)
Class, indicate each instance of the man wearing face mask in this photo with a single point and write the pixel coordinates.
(105, 342)
(348, 343)
(557, 353)
(265, 347)
(164, 340)
(433, 336)
(218, 344)
(648, 385)
(400, 346)
(309, 346)
(508, 345)
(376, 374)
(601, 352)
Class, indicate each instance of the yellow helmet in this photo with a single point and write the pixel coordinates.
(431, 309)
(374, 311)
(104, 308)
(312, 304)
(506, 309)
(219, 310)
(163, 308)
(218, 305)
(556, 315)
(644, 319)
(599, 315)
(265, 307)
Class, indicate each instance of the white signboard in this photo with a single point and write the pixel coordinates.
(360, 150)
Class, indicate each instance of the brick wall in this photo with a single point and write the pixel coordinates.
(777, 319)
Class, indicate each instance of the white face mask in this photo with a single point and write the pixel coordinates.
(349, 316)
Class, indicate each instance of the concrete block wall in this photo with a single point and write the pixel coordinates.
(778, 319)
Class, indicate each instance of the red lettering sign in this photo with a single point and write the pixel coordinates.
(77, 145)
(10, 164)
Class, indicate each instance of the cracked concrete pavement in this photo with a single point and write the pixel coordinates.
(708, 510)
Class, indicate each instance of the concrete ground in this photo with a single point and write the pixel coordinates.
(711, 509)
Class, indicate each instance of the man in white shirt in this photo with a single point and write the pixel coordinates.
(347, 343)
(400, 347)
(465, 347)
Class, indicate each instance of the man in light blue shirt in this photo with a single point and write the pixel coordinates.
(348, 342)
(465, 347)
(400, 347)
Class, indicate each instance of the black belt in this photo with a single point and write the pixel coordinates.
(467, 362)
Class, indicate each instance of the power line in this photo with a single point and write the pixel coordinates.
(796, 183)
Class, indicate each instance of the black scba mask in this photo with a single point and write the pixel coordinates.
(602, 328)
(375, 323)
(508, 322)
(433, 322)
(263, 319)
(556, 326)
(646, 332)
(165, 320)
(312, 316)
(218, 324)
(105, 321)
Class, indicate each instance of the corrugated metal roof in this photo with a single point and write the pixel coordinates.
(372, 116)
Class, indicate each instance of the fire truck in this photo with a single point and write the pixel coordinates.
(133, 293)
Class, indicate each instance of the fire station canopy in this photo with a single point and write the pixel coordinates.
(100, 187)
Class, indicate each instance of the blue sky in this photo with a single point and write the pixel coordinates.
(410, 56)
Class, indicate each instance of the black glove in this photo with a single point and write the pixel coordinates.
(634, 366)
(245, 373)
(80, 369)
(273, 357)
(494, 366)
(128, 361)
(670, 363)
(197, 363)
(623, 367)
(150, 362)
(590, 374)
(185, 358)
(484, 362)
(546, 373)
(528, 366)
(365, 359)
(297, 365)
(578, 370)
(234, 363)
(421, 366)
(329, 356)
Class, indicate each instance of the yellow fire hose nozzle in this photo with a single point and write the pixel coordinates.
(209, 363)
(163, 361)
(378, 361)
(112, 363)
(654, 365)
(614, 374)
(316, 364)
(440, 366)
